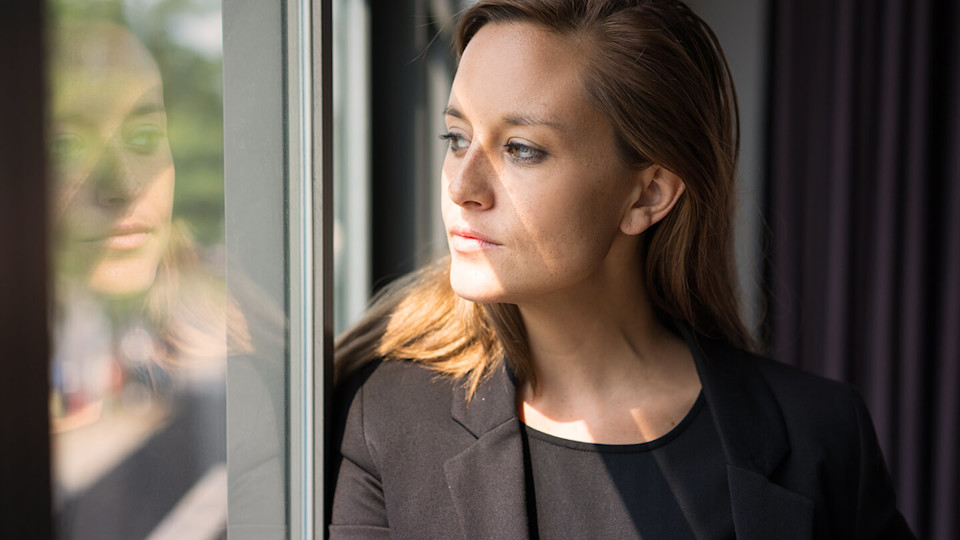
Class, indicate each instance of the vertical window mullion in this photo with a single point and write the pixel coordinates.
(322, 65)
(25, 499)
(301, 223)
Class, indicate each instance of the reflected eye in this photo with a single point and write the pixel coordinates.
(144, 139)
(66, 146)
(458, 143)
(524, 153)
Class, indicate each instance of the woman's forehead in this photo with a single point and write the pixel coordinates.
(518, 70)
(100, 46)
(100, 70)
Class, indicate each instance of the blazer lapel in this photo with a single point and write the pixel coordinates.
(487, 480)
(754, 439)
(762, 509)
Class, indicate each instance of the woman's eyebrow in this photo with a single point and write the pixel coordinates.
(151, 101)
(528, 120)
(88, 118)
(511, 119)
(450, 110)
(147, 108)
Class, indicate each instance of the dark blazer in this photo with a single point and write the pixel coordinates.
(416, 461)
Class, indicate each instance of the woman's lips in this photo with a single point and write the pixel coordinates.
(125, 242)
(466, 240)
(124, 237)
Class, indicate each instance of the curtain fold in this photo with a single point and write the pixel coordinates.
(863, 211)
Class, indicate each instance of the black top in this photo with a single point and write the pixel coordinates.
(674, 487)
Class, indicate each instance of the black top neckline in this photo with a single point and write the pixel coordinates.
(621, 448)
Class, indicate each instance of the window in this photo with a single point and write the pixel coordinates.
(188, 334)
(140, 313)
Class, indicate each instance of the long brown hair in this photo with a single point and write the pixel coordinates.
(656, 71)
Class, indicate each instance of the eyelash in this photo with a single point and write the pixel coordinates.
(515, 149)
(452, 139)
(145, 139)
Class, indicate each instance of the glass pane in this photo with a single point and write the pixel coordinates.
(351, 66)
(264, 247)
(141, 312)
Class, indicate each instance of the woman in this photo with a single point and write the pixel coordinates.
(576, 368)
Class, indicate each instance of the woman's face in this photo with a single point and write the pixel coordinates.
(112, 163)
(533, 188)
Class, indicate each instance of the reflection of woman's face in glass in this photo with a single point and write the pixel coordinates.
(113, 169)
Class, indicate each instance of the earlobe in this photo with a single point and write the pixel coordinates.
(658, 190)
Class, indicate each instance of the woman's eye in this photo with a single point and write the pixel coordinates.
(66, 147)
(523, 153)
(457, 142)
(144, 140)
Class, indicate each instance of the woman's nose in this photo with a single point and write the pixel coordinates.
(471, 179)
(114, 181)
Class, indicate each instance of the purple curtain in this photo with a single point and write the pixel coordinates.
(864, 220)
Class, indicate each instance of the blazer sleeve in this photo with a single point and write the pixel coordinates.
(358, 509)
(877, 516)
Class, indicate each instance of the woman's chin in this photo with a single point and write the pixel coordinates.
(122, 278)
(478, 288)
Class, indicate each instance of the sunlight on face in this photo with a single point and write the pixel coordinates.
(113, 169)
(533, 188)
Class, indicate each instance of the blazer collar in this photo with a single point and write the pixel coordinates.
(494, 403)
(745, 411)
(487, 480)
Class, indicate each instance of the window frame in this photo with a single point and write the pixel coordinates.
(278, 156)
(25, 496)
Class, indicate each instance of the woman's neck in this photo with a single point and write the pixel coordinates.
(606, 369)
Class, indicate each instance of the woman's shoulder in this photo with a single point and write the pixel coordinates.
(818, 407)
(797, 388)
(793, 382)
(389, 383)
(385, 397)
(396, 419)
(813, 434)
(788, 382)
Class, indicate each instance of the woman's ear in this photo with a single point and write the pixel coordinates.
(657, 191)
